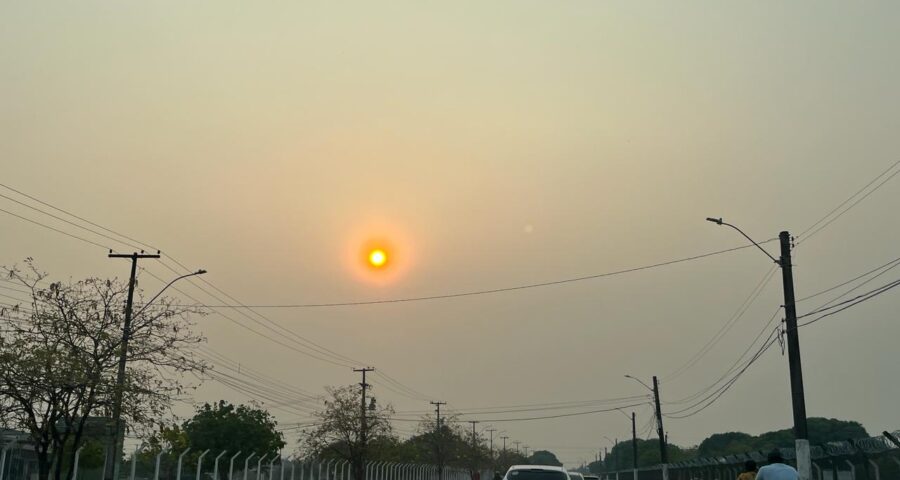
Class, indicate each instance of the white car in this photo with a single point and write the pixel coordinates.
(536, 472)
(575, 476)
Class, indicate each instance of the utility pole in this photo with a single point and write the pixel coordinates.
(663, 451)
(438, 433)
(526, 447)
(491, 431)
(504, 437)
(616, 449)
(517, 443)
(363, 427)
(798, 402)
(111, 469)
(474, 422)
(801, 436)
(634, 447)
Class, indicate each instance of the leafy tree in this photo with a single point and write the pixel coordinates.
(220, 427)
(725, 444)
(59, 356)
(338, 433)
(821, 430)
(544, 457)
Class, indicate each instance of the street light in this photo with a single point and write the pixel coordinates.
(640, 381)
(112, 469)
(660, 431)
(798, 400)
(198, 272)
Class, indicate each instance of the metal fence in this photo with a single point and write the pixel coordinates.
(17, 462)
(868, 458)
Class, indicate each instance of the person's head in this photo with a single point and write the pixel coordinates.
(775, 456)
(749, 466)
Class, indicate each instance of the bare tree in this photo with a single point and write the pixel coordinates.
(59, 354)
(338, 431)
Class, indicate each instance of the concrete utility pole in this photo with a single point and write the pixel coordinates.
(517, 443)
(491, 431)
(504, 437)
(798, 398)
(663, 450)
(438, 434)
(634, 446)
(363, 416)
(113, 462)
(801, 436)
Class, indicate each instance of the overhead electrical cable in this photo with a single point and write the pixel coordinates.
(726, 327)
(804, 236)
(734, 366)
(886, 265)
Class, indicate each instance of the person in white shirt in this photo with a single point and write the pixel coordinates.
(777, 469)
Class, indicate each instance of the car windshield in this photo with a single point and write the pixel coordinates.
(575, 476)
(536, 474)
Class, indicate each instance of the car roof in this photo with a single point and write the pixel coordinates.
(576, 473)
(552, 468)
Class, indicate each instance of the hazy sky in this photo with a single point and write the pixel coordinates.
(493, 144)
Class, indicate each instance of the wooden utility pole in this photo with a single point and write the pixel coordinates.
(363, 421)
(114, 457)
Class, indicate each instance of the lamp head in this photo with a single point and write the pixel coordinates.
(717, 221)
(201, 271)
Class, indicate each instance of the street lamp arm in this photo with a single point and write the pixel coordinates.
(639, 381)
(198, 272)
(718, 221)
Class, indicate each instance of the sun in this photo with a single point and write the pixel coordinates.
(378, 258)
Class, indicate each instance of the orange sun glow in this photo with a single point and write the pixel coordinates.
(378, 258)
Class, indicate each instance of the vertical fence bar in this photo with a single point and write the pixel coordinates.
(156, 464)
(134, 462)
(216, 467)
(247, 464)
(199, 463)
(259, 466)
(178, 468)
(74, 465)
(231, 466)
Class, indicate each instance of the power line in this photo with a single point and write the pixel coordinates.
(803, 237)
(55, 229)
(852, 302)
(734, 366)
(489, 291)
(150, 247)
(721, 391)
(732, 321)
(561, 415)
(890, 263)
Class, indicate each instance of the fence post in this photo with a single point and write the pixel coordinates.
(3, 456)
(272, 465)
(74, 466)
(156, 464)
(178, 468)
(247, 464)
(134, 462)
(852, 469)
(199, 463)
(231, 465)
(259, 466)
(817, 468)
(216, 467)
(877, 470)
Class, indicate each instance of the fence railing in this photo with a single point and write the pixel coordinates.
(855, 459)
(17, 462)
